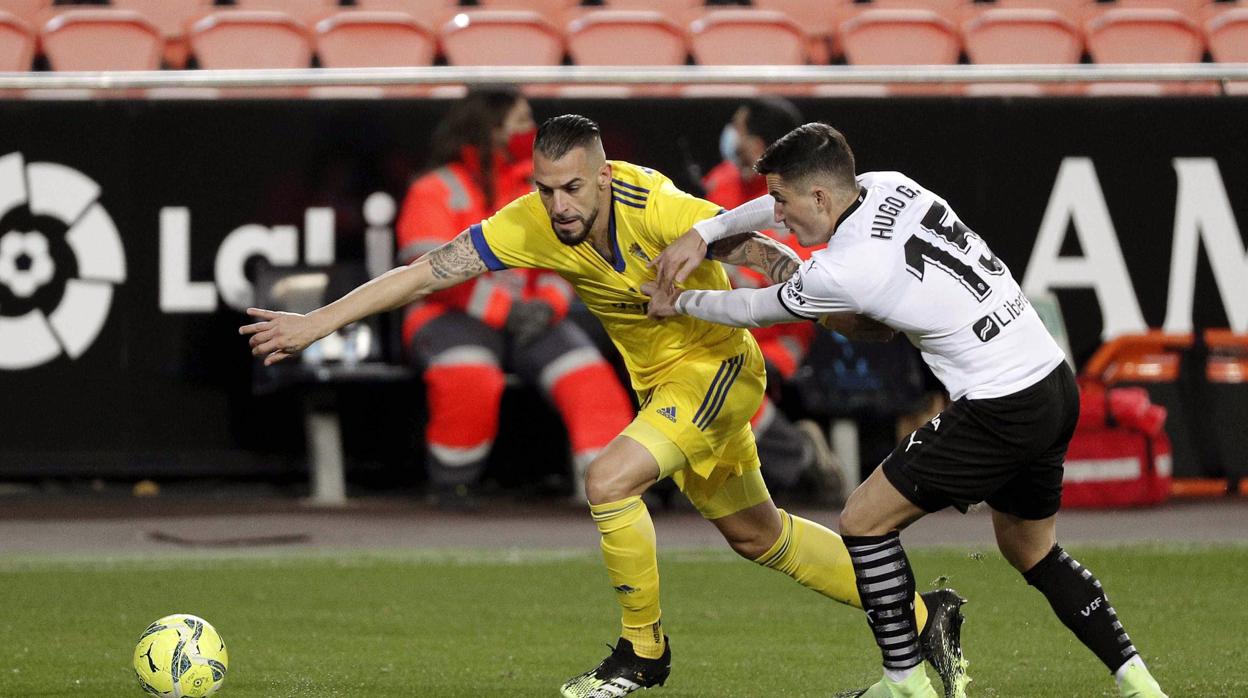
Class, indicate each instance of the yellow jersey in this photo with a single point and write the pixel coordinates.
(648, 212)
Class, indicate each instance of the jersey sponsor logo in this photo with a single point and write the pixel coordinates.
(669, 412)
(54, 223)
(986, 328)
(991, 325)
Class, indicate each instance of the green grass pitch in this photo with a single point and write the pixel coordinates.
(517, 624)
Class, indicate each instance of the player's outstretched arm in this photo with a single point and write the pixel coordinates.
(678, 260)
(279, 335)
(773, 260)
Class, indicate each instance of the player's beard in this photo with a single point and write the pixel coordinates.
(576, 238)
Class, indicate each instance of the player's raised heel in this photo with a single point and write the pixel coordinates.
(620, 674)
(941, 640)
(1139, 683)
(916, 685)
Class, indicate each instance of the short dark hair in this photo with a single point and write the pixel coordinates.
(558, 135)
(811, 149)
(770, 118)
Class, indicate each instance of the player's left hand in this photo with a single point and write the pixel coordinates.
(678, 260)
(859, 328)
(662, 299)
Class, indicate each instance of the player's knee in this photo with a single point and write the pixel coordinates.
(751, 546)
(604, 484)
(857, 520)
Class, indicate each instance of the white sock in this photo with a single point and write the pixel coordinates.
(900, 676)
(1122, 670)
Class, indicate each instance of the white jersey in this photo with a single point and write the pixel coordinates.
(901, 256)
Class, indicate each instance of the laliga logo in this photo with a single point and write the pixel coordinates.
(60, 256)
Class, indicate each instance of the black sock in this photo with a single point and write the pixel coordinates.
(1080, 603)
(886, 586)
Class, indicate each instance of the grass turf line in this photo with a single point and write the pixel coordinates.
(516, 624)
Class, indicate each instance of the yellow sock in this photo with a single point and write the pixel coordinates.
(816, 557)
(628, 548)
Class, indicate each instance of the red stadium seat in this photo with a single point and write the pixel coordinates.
(1227, 33)
(101, 39)
(747, 37)
(1192, 9)
(900, 37)
(557, 12)
(682, 12)
(17, 44)
(362, 39)
(33, 12)
(501, 37)
(1144, 35)
(171, 17)
(818, 18)
(240, 39)
(307, 12)
(433, 13)
(1075, 11)
(1019, 36)
(626, 37)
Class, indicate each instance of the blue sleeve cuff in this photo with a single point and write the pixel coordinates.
(492, 262)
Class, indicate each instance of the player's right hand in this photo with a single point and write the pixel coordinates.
(278, 335)
(675, 263)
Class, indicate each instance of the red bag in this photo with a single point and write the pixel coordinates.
(1116, 467)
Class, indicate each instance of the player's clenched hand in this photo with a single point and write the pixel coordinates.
(859, 328)
(278, 335)
(662, 300)
(677, 262)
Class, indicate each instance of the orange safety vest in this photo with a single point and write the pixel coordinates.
(443, 203)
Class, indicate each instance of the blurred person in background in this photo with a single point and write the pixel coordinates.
(463, 338)
(796, 455)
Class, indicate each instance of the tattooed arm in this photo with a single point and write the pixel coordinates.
(279, 335)
(773, 260)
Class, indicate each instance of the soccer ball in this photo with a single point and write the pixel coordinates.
(180, 655)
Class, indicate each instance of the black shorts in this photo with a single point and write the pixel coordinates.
(1007, 451)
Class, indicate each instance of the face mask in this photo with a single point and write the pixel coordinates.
(728, 140)
(520, 145)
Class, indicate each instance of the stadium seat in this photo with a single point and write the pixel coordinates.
(242, 39)
(433, 13)
(362, 39)
(818, 18)
(1144, 35)
(626, 37)
(307, 12)
(1227, 34)
(956, 11)
(501, 37)
(1020, 36)
(557, 12)
(900, 37)
(33, 12)
(1075, 11)
(101, 39)
(1192, 9)
(17, 44)
(747, 37)
(171, 17)
(680, 11)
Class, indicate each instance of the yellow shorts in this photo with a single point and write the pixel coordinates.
(705, 412)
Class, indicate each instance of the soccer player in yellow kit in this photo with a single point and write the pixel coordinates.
(598, 224)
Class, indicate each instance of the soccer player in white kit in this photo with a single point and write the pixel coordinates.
(899, 256)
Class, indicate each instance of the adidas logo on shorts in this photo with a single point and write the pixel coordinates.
(669, 412)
